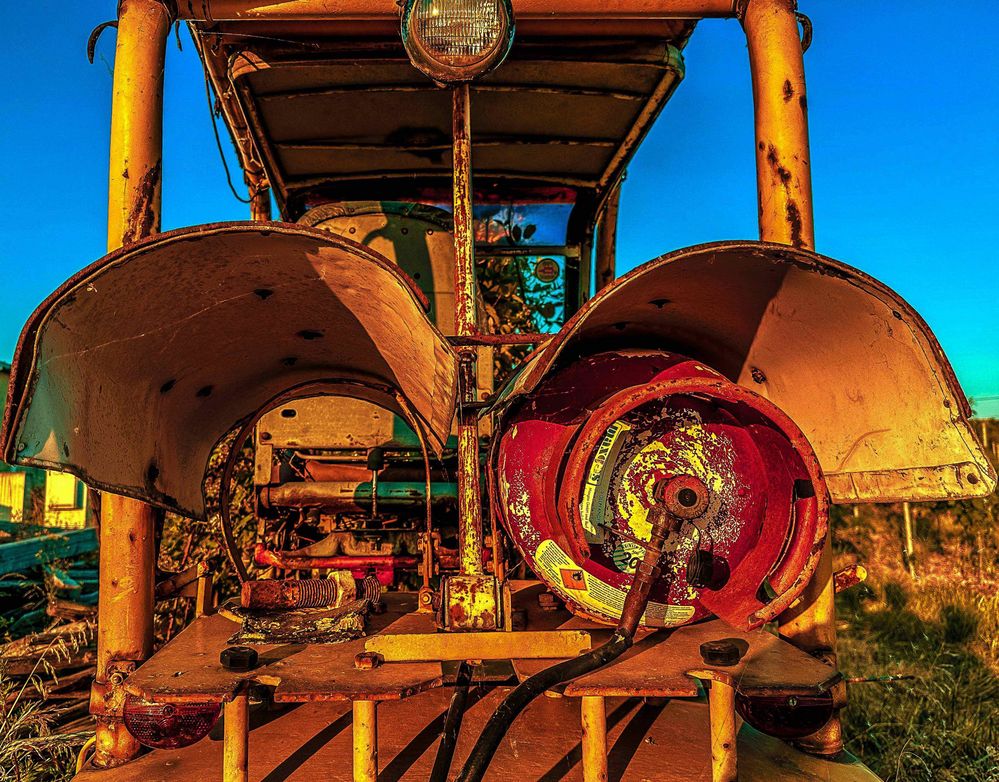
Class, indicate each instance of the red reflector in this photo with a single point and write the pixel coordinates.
(785, 716)
(169, 725)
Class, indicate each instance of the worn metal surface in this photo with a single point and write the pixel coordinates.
(353, 10)
(331, 106)
(666, 742)
(198, 329)
(127, 528)
(471, 601)
(188, 670)
(621, 422)
(850, 362)
(417, 647)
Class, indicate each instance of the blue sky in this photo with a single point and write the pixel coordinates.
(904, 110)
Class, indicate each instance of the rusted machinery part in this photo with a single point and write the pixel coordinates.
(650, 415)
(276, 594)
(164, 326)
(308, 389)
(811, 334)
(663, 521)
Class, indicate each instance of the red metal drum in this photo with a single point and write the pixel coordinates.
(575, 463)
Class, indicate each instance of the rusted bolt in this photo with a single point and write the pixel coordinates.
(116, 679)
(238, 658)
(722, 653)
(366, 661)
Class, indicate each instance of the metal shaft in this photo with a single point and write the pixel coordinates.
(469, 493)
(127, 547)
(236, 739)
(784, 183)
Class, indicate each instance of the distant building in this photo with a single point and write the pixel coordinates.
(28, 494)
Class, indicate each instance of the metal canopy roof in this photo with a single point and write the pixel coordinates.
(317, 107)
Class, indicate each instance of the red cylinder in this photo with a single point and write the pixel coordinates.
(576, 461)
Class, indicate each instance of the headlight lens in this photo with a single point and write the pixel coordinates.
(457, 40)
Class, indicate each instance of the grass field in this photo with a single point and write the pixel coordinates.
(943, 629)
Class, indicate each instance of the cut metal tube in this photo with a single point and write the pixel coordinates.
(236, 739)
(594, 717)
(721, 708)
(365, 736)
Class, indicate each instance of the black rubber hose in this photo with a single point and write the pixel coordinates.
(452, 724)
(521, 696)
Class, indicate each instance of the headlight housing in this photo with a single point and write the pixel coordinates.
(457, 40)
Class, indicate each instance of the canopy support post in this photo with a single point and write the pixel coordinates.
(127, 526)
(784, 188)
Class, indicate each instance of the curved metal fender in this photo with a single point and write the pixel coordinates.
(131, 372)
(844, 356)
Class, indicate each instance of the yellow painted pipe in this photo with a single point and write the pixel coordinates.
(783, 169)
(594, 738)
(365, 732)
(784, 190)
(721, 707)
(236, 739)
(127, 531)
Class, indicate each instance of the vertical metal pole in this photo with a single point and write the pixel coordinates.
(594, 738)
(236, 739)
(260, 204)
(607, 240)
(783, 168)
(365, 741)
(127, 529)
(721, 708)
(784, 185)
(469, 497)
(910, 551)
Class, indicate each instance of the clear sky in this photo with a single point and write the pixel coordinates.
(904, 109)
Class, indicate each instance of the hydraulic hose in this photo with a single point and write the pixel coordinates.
(680, 498)
(452, 724)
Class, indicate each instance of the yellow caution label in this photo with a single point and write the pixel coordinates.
(558, 569)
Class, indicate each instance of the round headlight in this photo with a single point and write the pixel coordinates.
(457, 40)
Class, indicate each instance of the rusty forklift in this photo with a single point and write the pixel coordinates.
(606, 558)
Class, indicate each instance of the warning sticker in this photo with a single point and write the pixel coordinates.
(573, 578)
(593, 508)
(598, 596)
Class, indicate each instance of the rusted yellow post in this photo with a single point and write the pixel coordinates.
(784, 184)
(594, 739)
(783, 170)
(236, 739)
(365, 741)
(721, 708)
(469, 500)
(127, 530)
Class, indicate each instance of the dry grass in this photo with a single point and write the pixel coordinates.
(942, 628)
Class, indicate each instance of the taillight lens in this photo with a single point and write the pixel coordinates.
(169, 725)
(785, 716)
